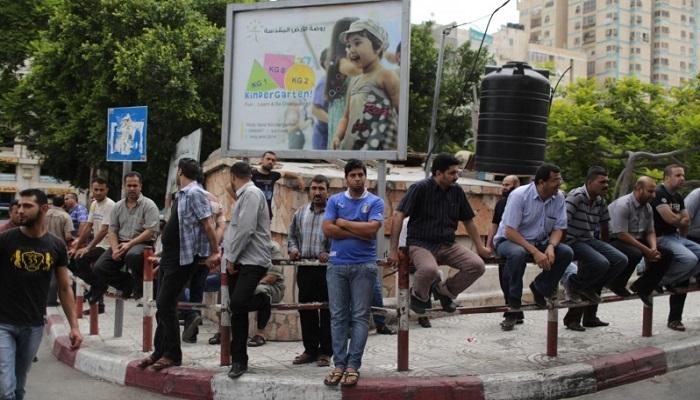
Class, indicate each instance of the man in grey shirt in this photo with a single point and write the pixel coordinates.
(247, 254)
(133, 223)
(692, 205)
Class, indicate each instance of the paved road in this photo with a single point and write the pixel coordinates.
(50, 379)
(677, 385)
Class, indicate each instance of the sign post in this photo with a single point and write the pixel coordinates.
(126, 136)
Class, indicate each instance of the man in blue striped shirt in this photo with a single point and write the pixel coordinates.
(598, 261)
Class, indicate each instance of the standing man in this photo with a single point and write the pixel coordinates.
(133, 223)
(28, 258)
(58, 222)
(188, 237)
(509, 183)
(264, 177)
(351, 221)
(247, 254)
(78, 213)
(82, 258)
(671, 223)
(13, 222)
(435, 206)
(598, 261)
(632, 231)
(307, 241)
(533, 225)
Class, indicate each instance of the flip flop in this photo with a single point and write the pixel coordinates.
(350, 378)
(334, 377)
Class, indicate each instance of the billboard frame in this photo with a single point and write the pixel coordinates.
(226, 123)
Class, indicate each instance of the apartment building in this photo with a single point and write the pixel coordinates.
(654, 40)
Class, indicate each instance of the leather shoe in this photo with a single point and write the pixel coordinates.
(575, 326)
(508, 324)
(237, 369)
(448, 305)
(424, 322)
(676, 326)
(540, 300)
(418, 306)
(595, 323)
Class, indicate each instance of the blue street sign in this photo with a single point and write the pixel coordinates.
(126, 133)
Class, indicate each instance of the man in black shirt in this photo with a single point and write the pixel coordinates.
(508, 184)
(436, 205)
(264, 177)
(29, 256)
(671, 225)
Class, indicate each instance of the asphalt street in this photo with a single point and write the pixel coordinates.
(677, 385)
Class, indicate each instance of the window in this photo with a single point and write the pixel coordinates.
(578, 10)
(590, 68)
(611, 65)
(683, 34)
(588, 21)
(546, 19)
(683, 18)
(588, 6)
(662, 13)
(611, 33)
(577, 41)
(588, 37)
(682, 64)
(683, 50)
(577, 25)
(549, 4)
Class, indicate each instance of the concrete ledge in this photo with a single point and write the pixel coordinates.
(552, 383)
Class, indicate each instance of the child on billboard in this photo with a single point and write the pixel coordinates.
(370, 119)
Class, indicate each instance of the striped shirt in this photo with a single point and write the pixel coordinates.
(306, 233)
(583, 215)
(434, 213)
(192, 207)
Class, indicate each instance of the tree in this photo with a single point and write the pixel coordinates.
(454, 120)
(627, 126)
(97, 54)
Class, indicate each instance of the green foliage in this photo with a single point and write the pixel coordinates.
(454, 120)
(96, 54)
(596, 124)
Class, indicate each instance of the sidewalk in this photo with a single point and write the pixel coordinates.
(459, 357)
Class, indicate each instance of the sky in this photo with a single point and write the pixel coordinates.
(460, 11)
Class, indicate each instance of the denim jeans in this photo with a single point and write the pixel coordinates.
(686, 254)
(377, 301)
(18, 346)
(598, 264)
(349, 298)
(516, 260)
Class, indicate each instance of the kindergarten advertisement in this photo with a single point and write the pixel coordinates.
(310, 80)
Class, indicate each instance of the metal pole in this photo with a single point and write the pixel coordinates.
(94, 321)
(552, 334)
(647, 317)
(402, 312)
(126, 167)
(381, 192)
(225, 318)
(79, 289)
(118, 317)
(148, 299)
(436, 99)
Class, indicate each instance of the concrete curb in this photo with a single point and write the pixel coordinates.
(552, 383)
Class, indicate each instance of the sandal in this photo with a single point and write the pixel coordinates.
(163, 363)
(350, 378)
(216, 339)
(146, 362)
(334, 377)
(256, 341)
(303, 358)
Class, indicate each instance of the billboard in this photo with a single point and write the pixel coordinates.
(126, 133)
(317, 79)
(187, 147)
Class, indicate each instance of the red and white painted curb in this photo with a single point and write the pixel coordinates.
(552, 383)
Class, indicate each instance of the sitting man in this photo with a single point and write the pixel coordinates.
(632, 231)
(435, 205)
(533, 225)
(269, 291)
(133, 224)
(598, 261)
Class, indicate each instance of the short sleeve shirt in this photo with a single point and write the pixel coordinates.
(692, 205)
(627, 215)
(128, 223)
(533, 217)
(366, 208)
(434, 212)
(266, 183)
(498, 210)
(26, 266)
(99, 215)
(664, 198)
(584, 215)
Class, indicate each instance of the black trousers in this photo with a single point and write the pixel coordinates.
(315, 324)
(588, 313)
(110, 271)
(503, 280)
(653, 273)
(242, 299)
(172, 277)
(83, 268)
(676, 302)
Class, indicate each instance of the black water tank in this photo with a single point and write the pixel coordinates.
(512, 131)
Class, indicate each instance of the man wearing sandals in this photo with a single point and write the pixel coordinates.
(269, 291)
(352, 220)
(306, 241)
(188, 237)
(671, 223)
